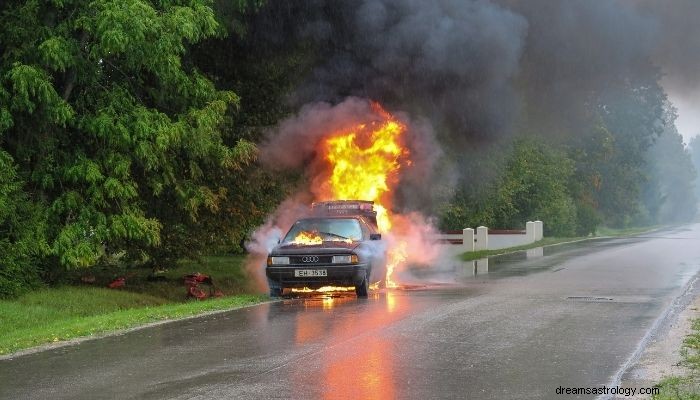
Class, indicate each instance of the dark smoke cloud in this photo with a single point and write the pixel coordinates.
(450, 61)
(677, 41)
(576, 52)
(472, 67)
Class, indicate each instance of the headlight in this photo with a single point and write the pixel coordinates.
(348, 259)
(277, 260)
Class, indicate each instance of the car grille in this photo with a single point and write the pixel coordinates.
(310, 260)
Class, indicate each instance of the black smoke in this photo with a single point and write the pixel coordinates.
(451, 61)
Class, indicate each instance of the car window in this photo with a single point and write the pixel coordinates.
(327, 228)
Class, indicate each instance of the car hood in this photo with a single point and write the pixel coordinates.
(329, 247)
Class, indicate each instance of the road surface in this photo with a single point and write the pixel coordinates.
(517, 327)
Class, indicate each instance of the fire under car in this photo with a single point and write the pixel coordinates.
(339, 244)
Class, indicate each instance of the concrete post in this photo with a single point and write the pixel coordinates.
(468, 239)
(539, 230)
(482, 238)
(530, 231)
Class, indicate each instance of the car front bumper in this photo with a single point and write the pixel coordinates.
(338, 275)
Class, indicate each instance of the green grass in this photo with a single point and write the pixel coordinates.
(227, 272)
(603, 231)
(475, 255)
(548, 241)
(685, 387)
(68, 312)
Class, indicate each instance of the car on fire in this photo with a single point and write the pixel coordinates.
(339, 244)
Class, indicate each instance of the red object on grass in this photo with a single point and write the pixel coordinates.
(196, 292)
(192, 282)
(117, 283)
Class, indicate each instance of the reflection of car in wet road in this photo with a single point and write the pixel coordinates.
(575, 315)
(335, 247)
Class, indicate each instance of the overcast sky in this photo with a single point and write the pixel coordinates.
(688, 121)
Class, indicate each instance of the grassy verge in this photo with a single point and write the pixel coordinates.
(685, 387)
(614, 232)
(548, 241)
(68, 312)
(475, 255)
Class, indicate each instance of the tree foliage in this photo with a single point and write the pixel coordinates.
(110, 122)
(22, 226)
(532, 185)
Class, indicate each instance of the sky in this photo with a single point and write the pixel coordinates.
(688, 105)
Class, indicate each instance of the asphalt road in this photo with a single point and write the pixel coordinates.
(571, 316)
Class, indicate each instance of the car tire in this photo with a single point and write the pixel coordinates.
(275, 289)
(362, 290)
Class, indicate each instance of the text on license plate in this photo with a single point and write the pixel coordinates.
(310, 272)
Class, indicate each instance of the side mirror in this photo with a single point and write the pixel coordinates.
(375, 236)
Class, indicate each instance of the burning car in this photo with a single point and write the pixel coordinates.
(338, 245)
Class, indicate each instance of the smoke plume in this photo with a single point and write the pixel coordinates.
(450, 61)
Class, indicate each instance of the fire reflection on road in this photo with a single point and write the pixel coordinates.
(367, 372)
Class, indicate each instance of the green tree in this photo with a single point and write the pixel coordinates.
(111, 123)
(22, 229)
(532, 184)
(535, 187)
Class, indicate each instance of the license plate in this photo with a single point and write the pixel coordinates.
(299, 273)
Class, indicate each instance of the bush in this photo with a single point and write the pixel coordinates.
(22, 240)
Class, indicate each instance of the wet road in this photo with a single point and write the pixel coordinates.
(515, 327)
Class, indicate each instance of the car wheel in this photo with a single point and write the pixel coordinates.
(362, 289)
(275, 289)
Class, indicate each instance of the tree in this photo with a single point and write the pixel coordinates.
(532, 184)
(111, 124)
(669, 188)
(22, 230)
(535, 187)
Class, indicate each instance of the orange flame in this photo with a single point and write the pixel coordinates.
(365, 162)
(305, 238)
(397, 255)
(326, 289)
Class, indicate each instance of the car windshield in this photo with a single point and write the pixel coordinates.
(327, 228)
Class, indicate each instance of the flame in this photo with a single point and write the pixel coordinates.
(305, 238)
(326, 289)
(365, 162)
(396, 255)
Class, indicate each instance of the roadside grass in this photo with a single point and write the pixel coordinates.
(548, 241)
(685, 387)
(68, 312)
(227, 272)
(601, 232)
